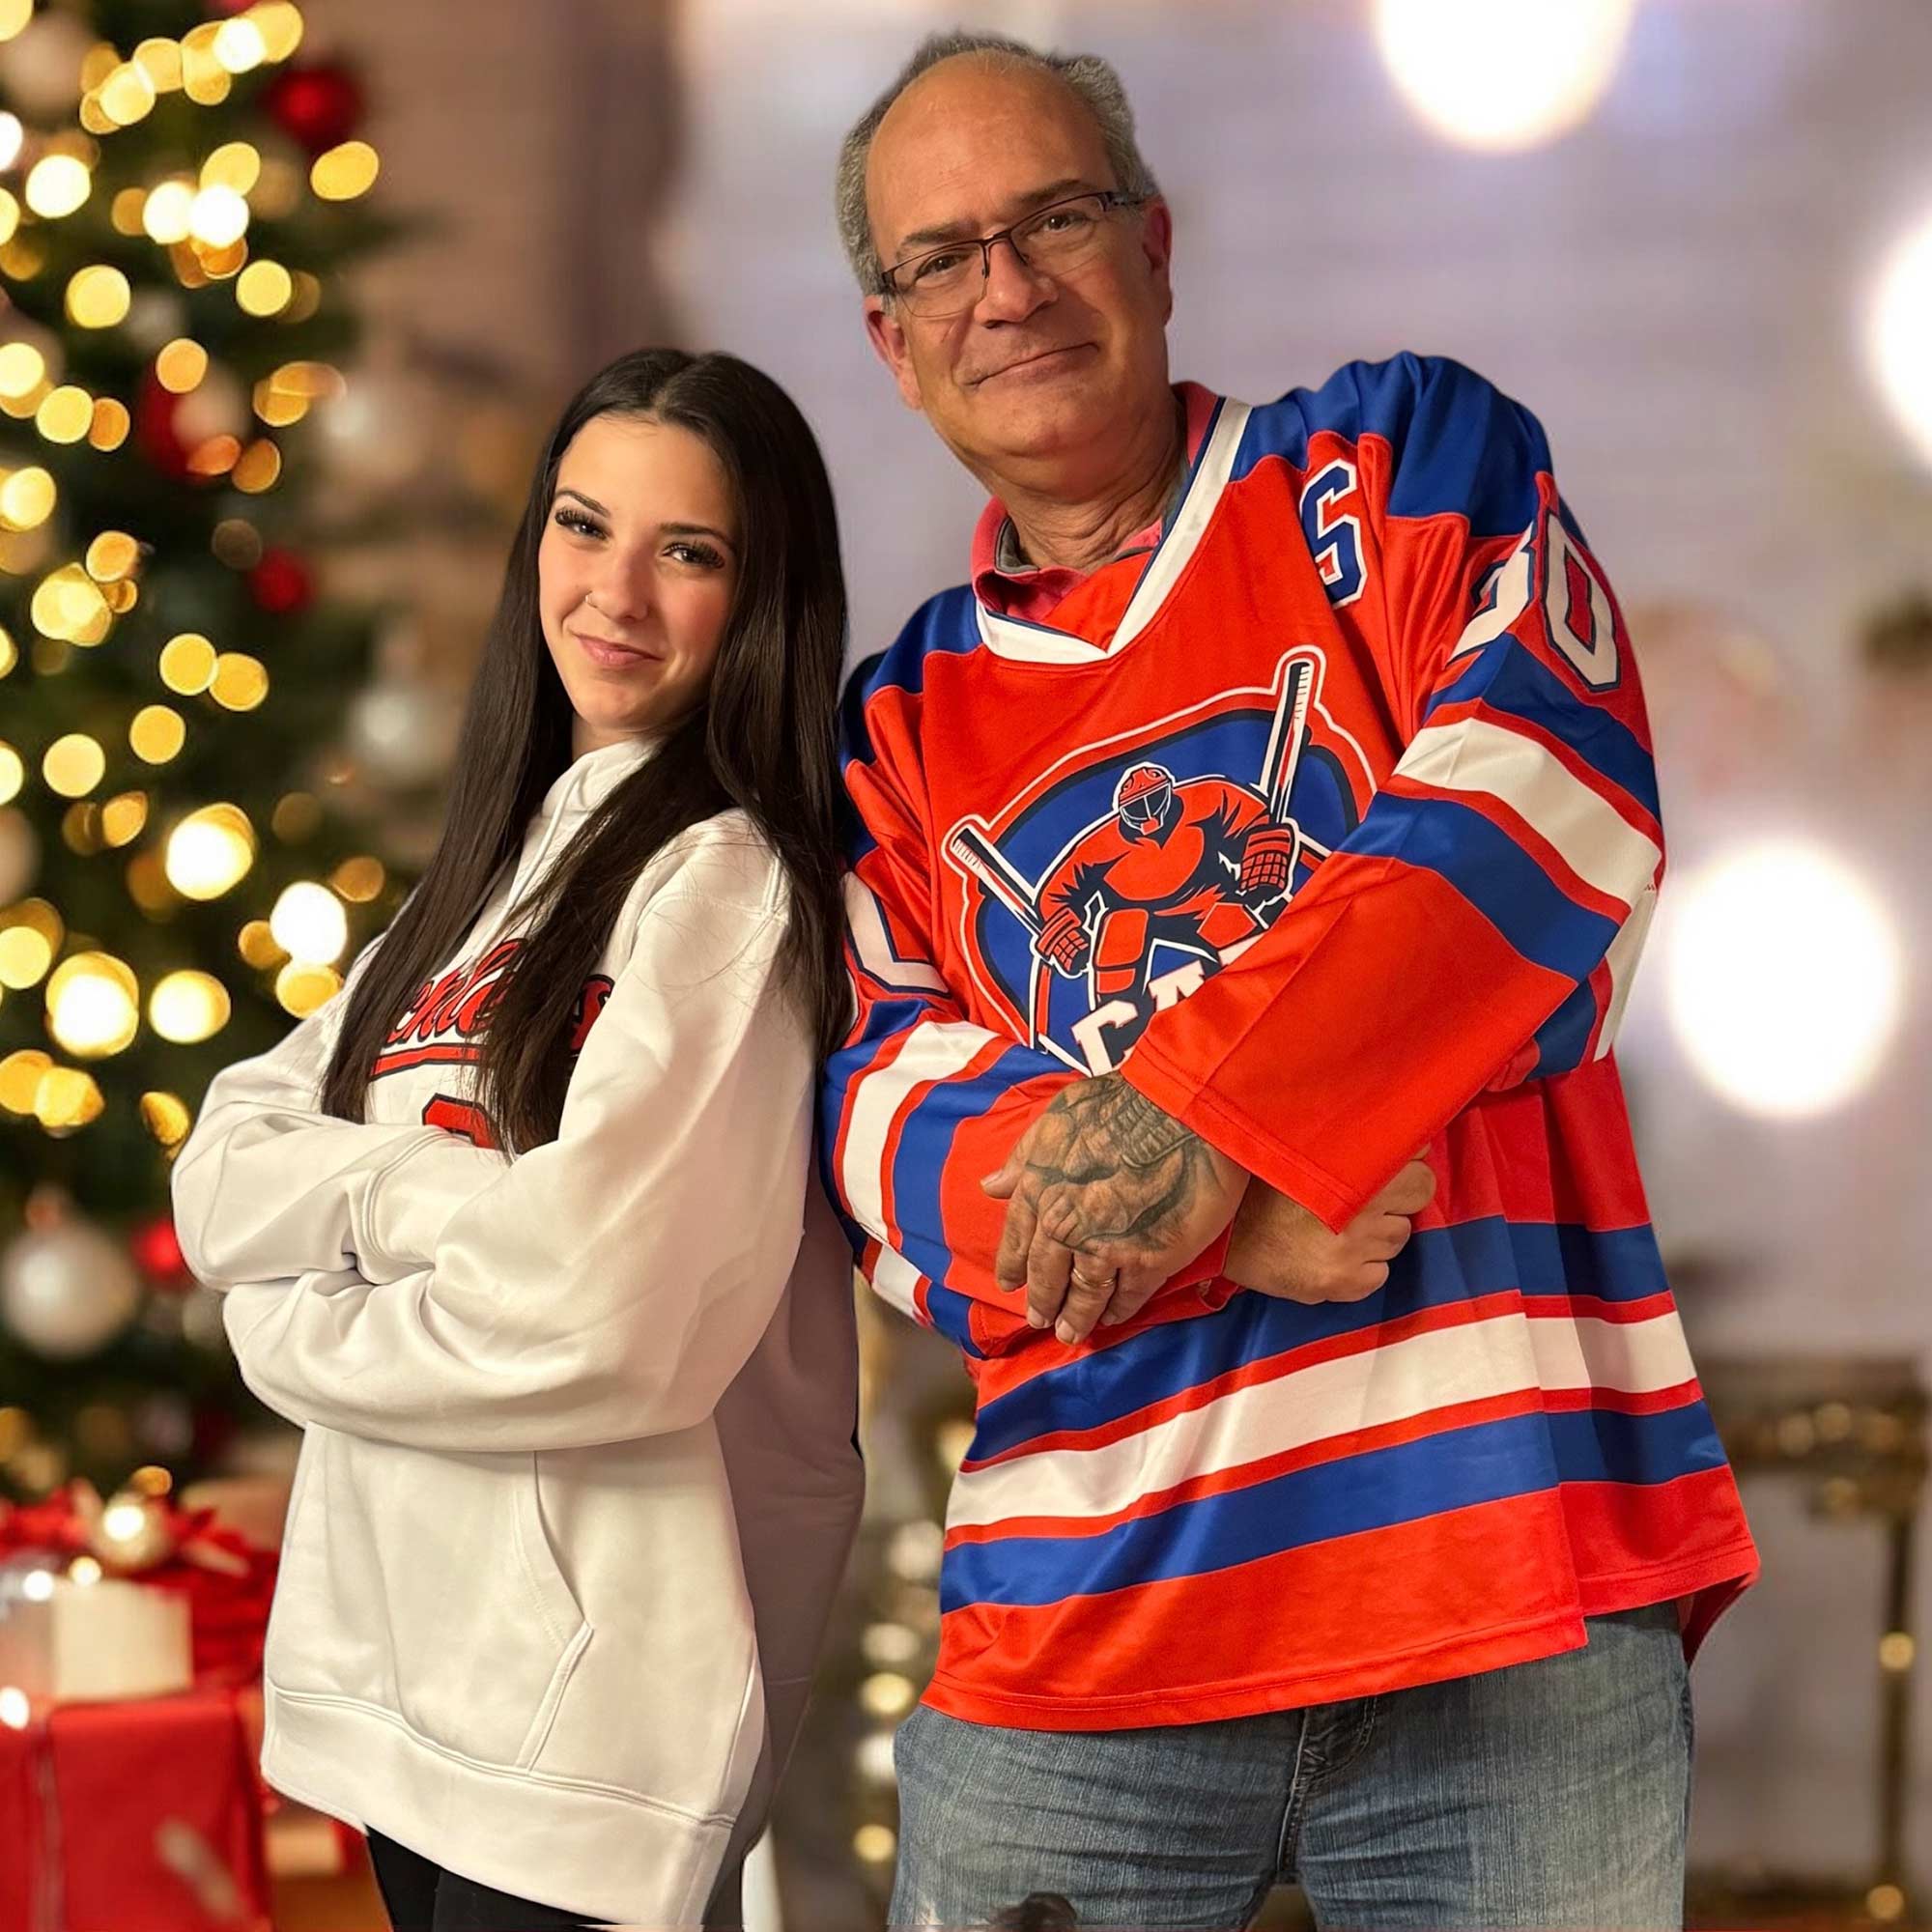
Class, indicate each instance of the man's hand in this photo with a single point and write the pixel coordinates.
(1106, 1197)
(1280, 1248)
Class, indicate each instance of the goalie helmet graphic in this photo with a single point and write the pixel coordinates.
(1144, 801)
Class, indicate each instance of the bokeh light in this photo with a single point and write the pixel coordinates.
(309, 923)
(157, 733)
(210, 852)
(1784, 978)
(1501, 74)
(189, 1007)
(1901, 335)
(94, 1005)
(57, 185)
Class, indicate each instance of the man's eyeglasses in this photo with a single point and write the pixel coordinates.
(1052, 240)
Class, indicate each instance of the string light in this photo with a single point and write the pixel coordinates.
(258, 468)
(303, 989)
(179, 365)
(157, 733)
(25, 955)
(128, 95)
(358, 880)
(111, 557)
(110, 425)
(264, 288)
(218, 217)
(239, 46)
(66, 415)
(187, 663)
(160, 60)
(189, 1007)
(20, 1076)
(11, 773)
(23, 369)
(210, 852)
(57, 186)
(166, 1116)
(203, 80)
(124, 816)
(93, 1006)
(280, 26)
(27, 497)
(97, 297)
(234, 164)
(74, 764)
(168, 211)
(256, 944)
(345, 172)
(309, 924)
(239, 683)
(11, 137)
(67, 1099)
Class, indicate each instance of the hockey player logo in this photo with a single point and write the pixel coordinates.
(1139, 906)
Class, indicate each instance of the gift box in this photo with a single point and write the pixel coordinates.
(143, 1816)
(63, 1641)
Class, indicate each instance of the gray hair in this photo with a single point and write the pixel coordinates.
(1092, 79)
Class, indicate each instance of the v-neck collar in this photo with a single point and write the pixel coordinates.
(1029, 642)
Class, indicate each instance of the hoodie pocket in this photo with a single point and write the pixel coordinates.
(426, 1586)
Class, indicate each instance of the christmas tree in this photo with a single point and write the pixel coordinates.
(180, 187)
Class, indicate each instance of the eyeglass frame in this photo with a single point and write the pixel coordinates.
(1111, 201)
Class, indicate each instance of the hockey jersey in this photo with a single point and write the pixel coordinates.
(1332, 824)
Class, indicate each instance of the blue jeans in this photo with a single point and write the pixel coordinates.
(1549, 1793)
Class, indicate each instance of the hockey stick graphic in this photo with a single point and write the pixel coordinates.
(973, 851)
(1287, 738)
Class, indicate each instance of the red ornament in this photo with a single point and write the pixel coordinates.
(156, 435)
(157, 1250)
(281, 584)
(318, 107)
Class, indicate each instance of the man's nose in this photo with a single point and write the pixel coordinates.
(1012, 291)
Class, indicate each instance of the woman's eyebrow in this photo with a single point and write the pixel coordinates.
(590, 503)
(696, 530)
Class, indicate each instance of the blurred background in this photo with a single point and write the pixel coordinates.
(287, 298)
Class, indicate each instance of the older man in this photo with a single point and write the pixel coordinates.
(1275, 802)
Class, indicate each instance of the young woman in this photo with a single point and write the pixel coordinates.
(521, 1228)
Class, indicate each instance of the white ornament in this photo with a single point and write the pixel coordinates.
(402, 733)
(154, 315)
(68, 1289)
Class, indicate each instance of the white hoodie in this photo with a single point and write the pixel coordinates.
(578, 1476)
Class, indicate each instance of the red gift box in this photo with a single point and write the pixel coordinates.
(145, 1815)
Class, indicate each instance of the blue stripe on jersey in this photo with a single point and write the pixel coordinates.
(1492, 872)
(1460, 446)
(1437, 1268)
(1479, 1463)
(919, 1167)
(1599, 1445)
(1485, 1462)
(1564, 1037)
(1508, 679)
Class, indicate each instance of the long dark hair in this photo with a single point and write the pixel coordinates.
(762, 740)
